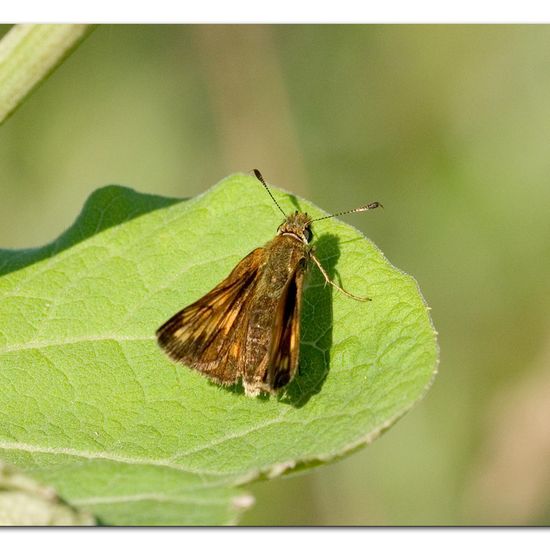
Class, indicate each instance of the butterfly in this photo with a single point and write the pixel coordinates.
(248, 327)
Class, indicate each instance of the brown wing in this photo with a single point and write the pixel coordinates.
(279, 365)
(209, 335)
(285, 352)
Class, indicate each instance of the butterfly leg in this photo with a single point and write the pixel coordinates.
(327, 279)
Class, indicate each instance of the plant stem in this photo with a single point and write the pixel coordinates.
(28, 54)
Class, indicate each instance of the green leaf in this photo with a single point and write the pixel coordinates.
(91, 405)
(25, 502)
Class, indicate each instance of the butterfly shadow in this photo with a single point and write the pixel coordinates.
(315, 325)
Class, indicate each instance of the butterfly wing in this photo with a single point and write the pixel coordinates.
(209, 335)
(285, 346)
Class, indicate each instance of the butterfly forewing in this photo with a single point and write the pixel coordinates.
(285, 347)
(209, 334)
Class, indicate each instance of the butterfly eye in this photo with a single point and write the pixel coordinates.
(308, 234)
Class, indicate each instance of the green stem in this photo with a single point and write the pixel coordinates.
(28, 53)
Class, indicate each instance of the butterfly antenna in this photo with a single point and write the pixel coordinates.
(370, 206)
(258, 174)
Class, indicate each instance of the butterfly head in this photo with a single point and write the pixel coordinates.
(297, 225)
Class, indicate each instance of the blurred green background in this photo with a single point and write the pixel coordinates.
(448, 126)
